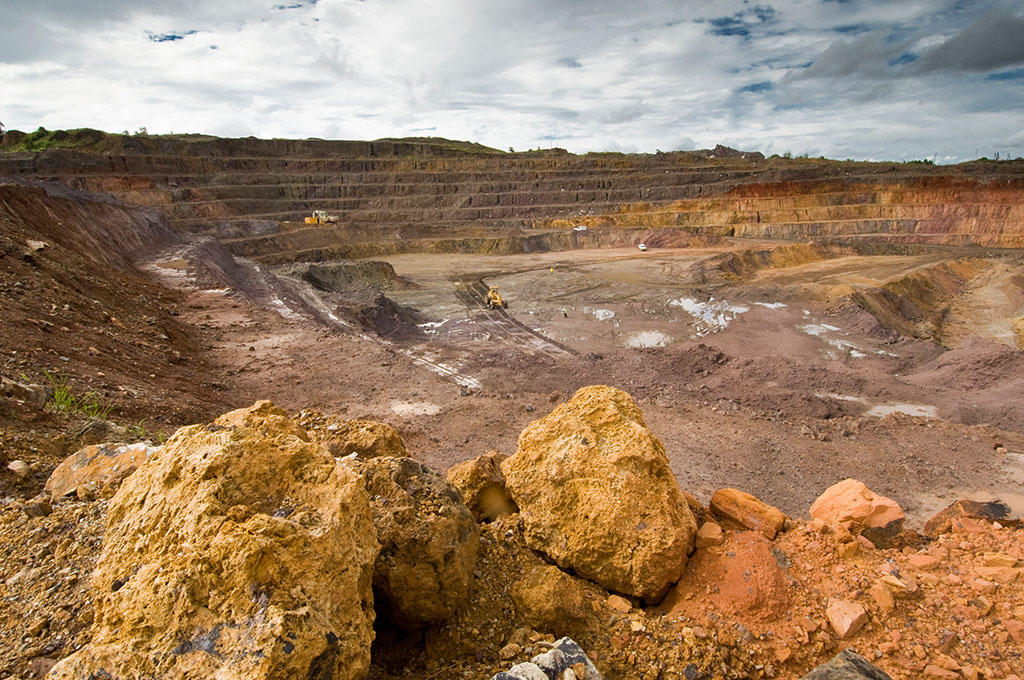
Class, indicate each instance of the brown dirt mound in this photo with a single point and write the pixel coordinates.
(339, 277)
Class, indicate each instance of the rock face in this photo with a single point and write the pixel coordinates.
(596, 495)
(565, 661)
(847, 665)
(991, 511)
(747, 511)
(239, 551)
(483, 486)
(429, 542)
(97, 467)
(854, 506)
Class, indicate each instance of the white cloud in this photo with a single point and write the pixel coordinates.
(580, 74)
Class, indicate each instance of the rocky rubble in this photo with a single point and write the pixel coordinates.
(429, 542)
(565, 661)
(246, 548)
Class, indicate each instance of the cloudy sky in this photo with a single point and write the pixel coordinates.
(874, 79)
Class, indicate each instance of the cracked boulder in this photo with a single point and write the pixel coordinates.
(241, 550)
(597, 496)
(429, 542)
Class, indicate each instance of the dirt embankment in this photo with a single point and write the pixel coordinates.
(77, 315)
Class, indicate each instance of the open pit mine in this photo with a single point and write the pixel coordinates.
(416, 408)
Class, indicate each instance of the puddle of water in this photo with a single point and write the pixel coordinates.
(712, 316)
(920, 410)
(648, 339)
(603, 314)
(414, 408)
(818, 329)
(841, 397)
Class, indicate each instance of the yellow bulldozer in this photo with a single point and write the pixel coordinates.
(494, 299)
(321, 217)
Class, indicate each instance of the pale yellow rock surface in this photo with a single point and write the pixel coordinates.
(597, 496)
(483, 486)
(240, 551)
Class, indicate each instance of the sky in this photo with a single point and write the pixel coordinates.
(866, 79)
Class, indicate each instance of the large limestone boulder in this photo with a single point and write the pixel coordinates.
(239, 551)
(857, 508)
(429, 542)
(596, 495)
(483, 486)
(97, 469)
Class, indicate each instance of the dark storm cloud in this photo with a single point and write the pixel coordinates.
(995, 41)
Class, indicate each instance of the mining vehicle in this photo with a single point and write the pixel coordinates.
(494, 299)
(321, 217)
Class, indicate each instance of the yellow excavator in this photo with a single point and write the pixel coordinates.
(321, 217)
(494, 299)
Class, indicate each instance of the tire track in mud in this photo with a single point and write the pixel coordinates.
(472, 291)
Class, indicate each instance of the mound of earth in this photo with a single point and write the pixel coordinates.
(341, 277)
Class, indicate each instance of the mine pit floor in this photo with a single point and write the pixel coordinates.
(764, 384)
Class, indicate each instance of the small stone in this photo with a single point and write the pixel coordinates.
(1016, 630)
(901, 590)
(939, 673)
(509, 651)
(37, 626)
(865, 542)
(995, 559)
(846, 617)
(747, 511)
(882, 597)
(20, 468)
(37, 507)
(983, 586)
(619, 603)
(709, 534)
(997, 574)
(923, 561)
